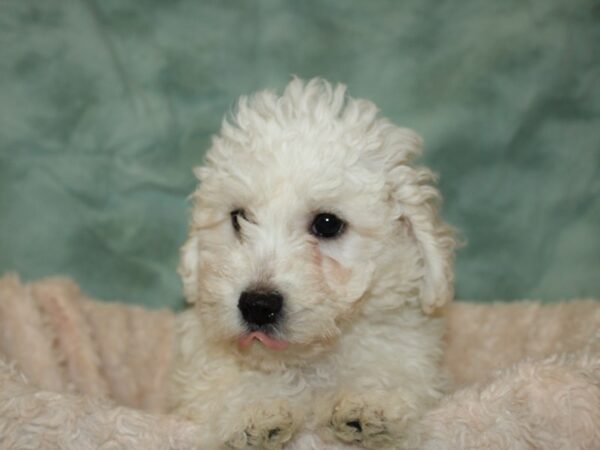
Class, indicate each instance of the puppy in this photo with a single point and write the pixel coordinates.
(314, 262)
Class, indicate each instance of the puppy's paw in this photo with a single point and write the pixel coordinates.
(370, 422)
(266, 426)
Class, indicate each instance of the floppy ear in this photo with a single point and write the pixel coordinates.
(417, 202)
(188, 268)
(436, 243)
(189, 254)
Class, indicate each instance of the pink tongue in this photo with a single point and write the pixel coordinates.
(245, 340)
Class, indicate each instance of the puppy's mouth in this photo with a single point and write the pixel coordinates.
(245, 340)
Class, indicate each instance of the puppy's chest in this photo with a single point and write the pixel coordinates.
(299, 384)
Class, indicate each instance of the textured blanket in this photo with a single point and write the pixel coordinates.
(79, 374)
(76, 374)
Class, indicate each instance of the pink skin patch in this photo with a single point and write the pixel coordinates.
(245, 340)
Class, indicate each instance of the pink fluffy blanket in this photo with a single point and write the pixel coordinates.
(79, 374)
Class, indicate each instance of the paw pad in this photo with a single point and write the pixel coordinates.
(273, 433)
(356, 421)
(355, 424)
(267, 428)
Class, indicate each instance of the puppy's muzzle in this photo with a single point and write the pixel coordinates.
(260, 308)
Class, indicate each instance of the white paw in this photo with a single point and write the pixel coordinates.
(359, 420)
(266, 426)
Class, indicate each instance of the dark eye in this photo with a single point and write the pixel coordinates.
(327, 225)
(235, 219)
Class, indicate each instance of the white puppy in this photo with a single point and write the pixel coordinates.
(314, 259)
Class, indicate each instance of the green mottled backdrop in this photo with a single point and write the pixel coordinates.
(105, 105)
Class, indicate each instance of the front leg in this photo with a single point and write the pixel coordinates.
(265, 425)
(373, 420)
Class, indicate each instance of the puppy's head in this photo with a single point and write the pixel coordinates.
(308, 217)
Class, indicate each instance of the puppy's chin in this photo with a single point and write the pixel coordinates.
(266, 339)
(268, 353)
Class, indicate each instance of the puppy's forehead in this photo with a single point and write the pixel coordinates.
(305, 164)
(300, 181)
(294, 152)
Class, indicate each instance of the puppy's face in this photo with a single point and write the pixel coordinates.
(297, 228)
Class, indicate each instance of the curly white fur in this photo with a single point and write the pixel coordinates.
(362, 346)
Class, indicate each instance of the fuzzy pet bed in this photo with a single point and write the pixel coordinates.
(80, 374)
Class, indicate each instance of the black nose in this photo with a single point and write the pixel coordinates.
(260, 308)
